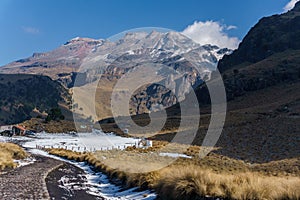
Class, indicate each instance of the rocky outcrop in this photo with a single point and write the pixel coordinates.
(269, 36)
(277, 69)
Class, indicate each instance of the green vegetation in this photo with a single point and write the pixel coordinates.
(55, 114)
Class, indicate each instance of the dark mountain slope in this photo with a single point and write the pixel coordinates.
(263, 92)
(269, 36)
(21, 95)
(262, 81)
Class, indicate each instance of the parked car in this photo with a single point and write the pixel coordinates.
(7, 133)
(29, 132)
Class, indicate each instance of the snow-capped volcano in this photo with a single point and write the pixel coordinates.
(156, 47)
(180, 63)
(69, 57)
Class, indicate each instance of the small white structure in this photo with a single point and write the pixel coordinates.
(83, 126)
(144, 143)
(149, 143)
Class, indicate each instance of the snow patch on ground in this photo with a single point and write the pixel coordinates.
(24, 162)
(14, 139)
(175, 155)
(80, 142)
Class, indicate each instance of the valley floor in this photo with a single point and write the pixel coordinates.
(166, 170)
(50, 177)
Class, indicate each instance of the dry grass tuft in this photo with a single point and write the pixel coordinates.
(188, 178)
(193, 150)
(193, 182)
(9, 152)
(71, 155)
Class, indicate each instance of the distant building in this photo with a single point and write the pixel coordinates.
(18, 130)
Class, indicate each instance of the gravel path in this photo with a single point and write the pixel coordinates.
(28, 182)
(68, 182)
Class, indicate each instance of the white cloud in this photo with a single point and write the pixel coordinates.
(30, 30)
(290, 5)
(211, 32)
(230, 27)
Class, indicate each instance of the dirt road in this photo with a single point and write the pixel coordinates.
(42, 180)
(28, 182)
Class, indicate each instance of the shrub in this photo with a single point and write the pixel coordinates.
(9, 152)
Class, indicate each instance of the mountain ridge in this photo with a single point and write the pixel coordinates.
(82, 61)
(69, 56)
(23, 96)
(269, 36)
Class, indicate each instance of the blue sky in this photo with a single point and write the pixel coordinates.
(28, 26)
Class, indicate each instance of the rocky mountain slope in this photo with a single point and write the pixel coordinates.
(269, 36)
(89, 55)
(263, 92)
(178, 62)
(268, 55)
(262, 80)
(25, 96)
(58, 63)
